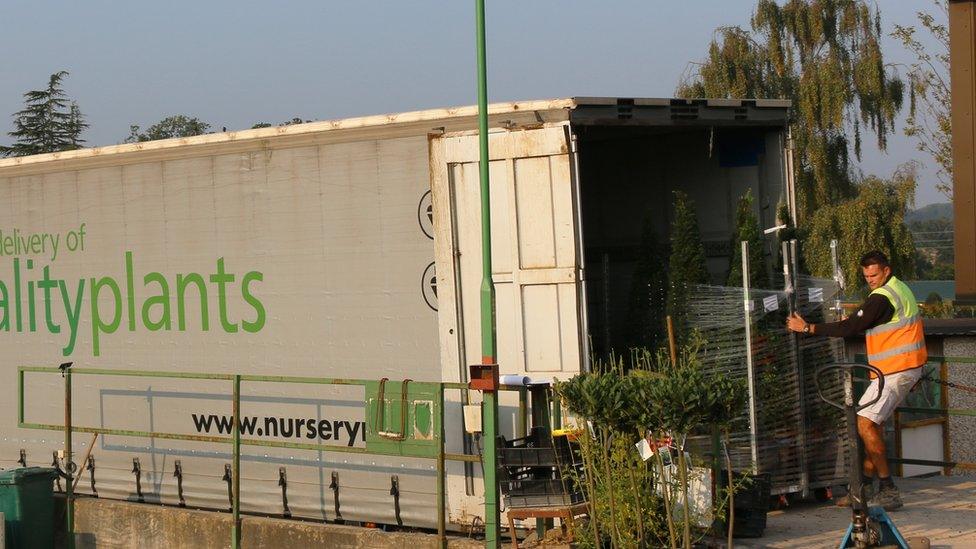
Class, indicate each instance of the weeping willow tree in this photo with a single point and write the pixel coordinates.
(874, 220)
(825, 56)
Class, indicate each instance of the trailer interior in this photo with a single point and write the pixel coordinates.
(633, 158)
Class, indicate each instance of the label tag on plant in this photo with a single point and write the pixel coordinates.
(815, 295)
(771, 303)
(644, 449)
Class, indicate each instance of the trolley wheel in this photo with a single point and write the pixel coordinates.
(823, 494)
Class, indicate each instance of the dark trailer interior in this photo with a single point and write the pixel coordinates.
(633, 155)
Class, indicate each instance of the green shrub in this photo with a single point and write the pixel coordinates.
(633, 502)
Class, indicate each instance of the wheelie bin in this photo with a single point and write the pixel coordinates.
(27, 504)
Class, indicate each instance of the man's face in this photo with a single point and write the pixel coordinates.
(875, 275)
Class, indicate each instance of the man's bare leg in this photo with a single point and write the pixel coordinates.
(870, 434)
(875, 460)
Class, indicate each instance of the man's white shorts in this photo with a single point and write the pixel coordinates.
(895, 390)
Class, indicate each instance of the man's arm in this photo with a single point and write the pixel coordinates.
(875, 310)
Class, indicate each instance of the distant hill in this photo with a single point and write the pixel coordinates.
(942, 210)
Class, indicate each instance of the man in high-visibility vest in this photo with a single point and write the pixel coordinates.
(892, 326)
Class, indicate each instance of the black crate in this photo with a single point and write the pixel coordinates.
(751, 504)
(540, 448)
(544, 492)
(541, 472)
(749, 524)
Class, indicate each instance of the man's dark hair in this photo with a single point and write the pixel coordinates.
(875, 257)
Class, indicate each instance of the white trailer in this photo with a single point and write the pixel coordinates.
(345, 249)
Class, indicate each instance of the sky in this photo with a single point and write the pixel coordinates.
(233, 64)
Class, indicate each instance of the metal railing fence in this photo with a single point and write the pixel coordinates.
(235, 439)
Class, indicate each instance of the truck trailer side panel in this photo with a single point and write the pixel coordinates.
(298, 261)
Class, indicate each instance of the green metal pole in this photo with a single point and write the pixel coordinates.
(441, 503)
(490, 402)
(236, 466)
(69, 480)
(554, 421)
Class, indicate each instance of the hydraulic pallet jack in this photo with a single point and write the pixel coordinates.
(870, 526)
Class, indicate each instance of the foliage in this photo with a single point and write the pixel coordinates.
(172, 126)
(645, 316)
(874, 220)
(747, 229)
(928, 267)
(947, 309)
(936, 307)
(825, 56)
(48, 123)
(294, 120)
(638, 509)
(686, 264)
(631, 503)
(935, 255)
(930, 97)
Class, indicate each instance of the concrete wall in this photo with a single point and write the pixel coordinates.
(962, 429)
(102, 523)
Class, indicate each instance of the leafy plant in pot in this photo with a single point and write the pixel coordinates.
(666, 401)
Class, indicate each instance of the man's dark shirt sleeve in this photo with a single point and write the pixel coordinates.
(875, 310)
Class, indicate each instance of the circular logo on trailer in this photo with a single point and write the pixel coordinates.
(428, 285)
(425, 215)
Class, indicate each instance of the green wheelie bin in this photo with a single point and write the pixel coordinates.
(27, 504)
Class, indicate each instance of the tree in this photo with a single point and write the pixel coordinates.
(874, 220)
(825, 56)
(935, 253)
(172, 126)
(294, 120)
(747, 229)
(647, 291)
(686, 264)
(929, 93)
(48, 123)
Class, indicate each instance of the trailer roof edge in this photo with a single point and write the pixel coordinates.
(503, 113)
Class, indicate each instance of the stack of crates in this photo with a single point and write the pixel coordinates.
(544, 469)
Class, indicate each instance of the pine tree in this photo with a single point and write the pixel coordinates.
(75, 127)
(686, 265)
(825, 56)
(747, 228)
(648, 292)
(48, 123)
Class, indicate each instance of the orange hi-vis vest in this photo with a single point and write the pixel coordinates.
(899, 344)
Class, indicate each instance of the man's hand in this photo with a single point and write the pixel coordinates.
(796, 323)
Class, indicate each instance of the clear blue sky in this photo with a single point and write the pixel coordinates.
(237, 63)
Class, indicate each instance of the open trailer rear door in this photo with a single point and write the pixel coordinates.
(534, 251)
